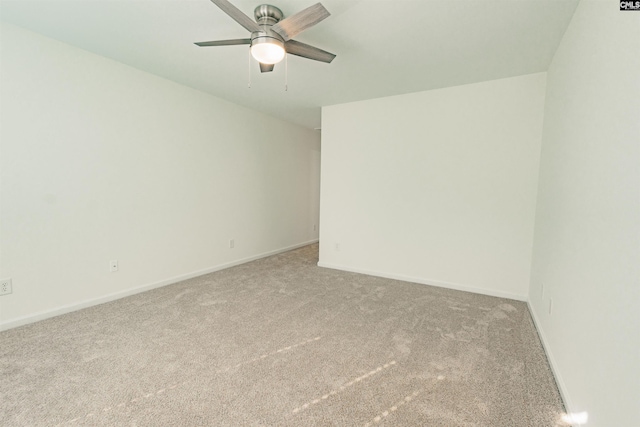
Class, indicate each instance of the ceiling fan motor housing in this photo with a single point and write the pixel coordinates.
(266, 36)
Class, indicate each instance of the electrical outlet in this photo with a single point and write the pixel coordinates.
(232, 244)
(315, 227)
(338, 247)
(550, 306)
(113, 265)
(5, 287)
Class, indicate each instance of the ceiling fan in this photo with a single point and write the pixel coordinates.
(271, 34)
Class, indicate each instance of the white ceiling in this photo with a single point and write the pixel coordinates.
(383, 47)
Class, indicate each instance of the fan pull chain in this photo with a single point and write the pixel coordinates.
(286, 72)
(249, 85)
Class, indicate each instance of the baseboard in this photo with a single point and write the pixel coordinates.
(25, 320)
(564, 393)
(429, 282)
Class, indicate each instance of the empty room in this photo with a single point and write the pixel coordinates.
(347, 213)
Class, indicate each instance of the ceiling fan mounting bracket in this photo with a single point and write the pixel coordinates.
(267, 14)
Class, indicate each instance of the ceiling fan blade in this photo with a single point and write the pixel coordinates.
(297, 23)
(237, 15)
(266, 68)
(224, 42)
(307, 51)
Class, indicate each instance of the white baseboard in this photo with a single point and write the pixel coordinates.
(31, 318)
(437, 283)
(568, 405)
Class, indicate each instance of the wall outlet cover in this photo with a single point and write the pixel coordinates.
(6, 287)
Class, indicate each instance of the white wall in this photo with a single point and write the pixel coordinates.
(587, 233)
(435, 187)
(101, 161)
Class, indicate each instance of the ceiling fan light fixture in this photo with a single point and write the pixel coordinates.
(272, 34)
(267, 50)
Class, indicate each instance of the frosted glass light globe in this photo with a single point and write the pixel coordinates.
(267, 50)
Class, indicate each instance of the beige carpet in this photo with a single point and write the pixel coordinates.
(282, 342)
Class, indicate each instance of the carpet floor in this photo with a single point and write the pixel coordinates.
(282, 342)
